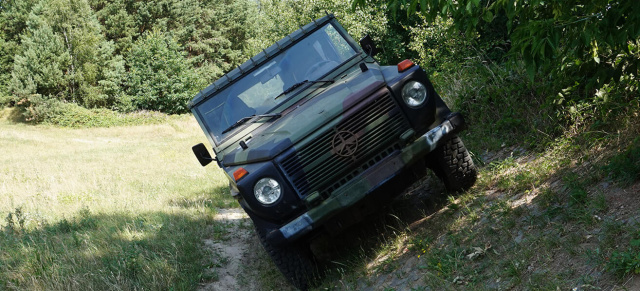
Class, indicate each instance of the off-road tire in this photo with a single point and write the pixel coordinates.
(452, 163)
(295, 261)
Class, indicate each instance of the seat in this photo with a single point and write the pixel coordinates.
(234, 110)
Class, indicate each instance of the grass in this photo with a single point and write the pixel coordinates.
(624, 167)
(562, 216)
(127, 207)
(500, 103)
(105, 208)
(626, 261)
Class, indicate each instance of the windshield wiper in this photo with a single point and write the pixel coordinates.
(244, 120)
(296, 85)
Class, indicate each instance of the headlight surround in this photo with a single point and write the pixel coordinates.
(267, 191)
(414, 93)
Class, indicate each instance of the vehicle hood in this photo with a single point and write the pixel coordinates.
(307, 119)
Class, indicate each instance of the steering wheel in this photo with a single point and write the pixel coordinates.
(311, 71)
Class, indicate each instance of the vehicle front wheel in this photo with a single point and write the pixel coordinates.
(295, 261)
(452, 163)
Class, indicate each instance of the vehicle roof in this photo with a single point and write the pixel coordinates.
(258, 60)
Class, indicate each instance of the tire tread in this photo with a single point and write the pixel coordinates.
(295, 261)
(452, 163)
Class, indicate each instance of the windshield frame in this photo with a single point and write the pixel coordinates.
(223, 141)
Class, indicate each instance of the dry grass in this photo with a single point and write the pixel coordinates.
(105, 208)
(55, 171)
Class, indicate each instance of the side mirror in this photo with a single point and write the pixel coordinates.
(202, 154)
(368, 45)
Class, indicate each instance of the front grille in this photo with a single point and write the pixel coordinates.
(316, 166)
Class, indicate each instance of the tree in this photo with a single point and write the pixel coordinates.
(90, 53)
(117, 18)
(39, 71)
(13, 22)
(553, 34)
(64, 55)
(279, 18)
(215, 33)
(42, 66)
(160, 78)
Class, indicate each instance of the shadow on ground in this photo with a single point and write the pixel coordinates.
(358, 244)
(152, 251)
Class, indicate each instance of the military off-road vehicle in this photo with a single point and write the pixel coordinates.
(313, 134)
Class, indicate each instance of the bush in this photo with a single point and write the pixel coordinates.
(50, 111)
(438, 47)
(625, 166)
(500, 102)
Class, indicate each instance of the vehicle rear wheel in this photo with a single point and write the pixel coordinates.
(295, 261)
(452, 163)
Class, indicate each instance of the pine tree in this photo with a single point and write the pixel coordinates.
(159, 77)
(41, 67)
(77, 23)
(13, 21)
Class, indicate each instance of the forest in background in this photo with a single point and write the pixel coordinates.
(62, 61)
(534, 68)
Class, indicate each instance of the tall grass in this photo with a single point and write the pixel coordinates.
(500, 103)
(105, 208)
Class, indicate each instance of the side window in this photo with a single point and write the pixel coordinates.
(342, 47)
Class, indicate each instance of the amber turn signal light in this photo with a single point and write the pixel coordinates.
(239, 173)
(405, 65)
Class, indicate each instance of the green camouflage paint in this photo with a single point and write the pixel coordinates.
(339, 140)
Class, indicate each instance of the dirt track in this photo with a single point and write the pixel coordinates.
(233, 253)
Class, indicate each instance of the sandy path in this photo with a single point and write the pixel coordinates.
(233, 253)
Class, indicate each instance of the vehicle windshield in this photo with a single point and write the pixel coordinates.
(254, 94)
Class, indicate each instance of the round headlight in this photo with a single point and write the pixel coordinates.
(267, 191)
(414, 93)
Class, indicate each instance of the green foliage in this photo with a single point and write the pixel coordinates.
(13, 22)
(76, 24)
(73, 115)
(279, 18)
(502, 97)
(577, 190)
(543, 32)
(438, 49)
(118, 20)
(421, 245)
(63, 56)
(214, 34)
(626, 262)
(109, 91)
(40, 70)
(15, 221)
(6, 64)
(160, 77)
(75, 51)
(67, 114)
(578, 51)
(625, 166)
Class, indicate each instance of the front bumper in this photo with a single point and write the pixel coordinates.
(359, 187)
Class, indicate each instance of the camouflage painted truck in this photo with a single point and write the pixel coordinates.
(313, 134)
